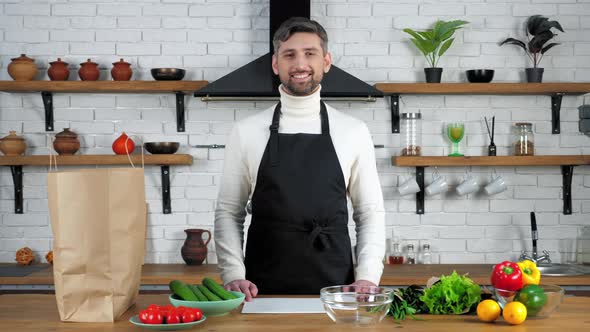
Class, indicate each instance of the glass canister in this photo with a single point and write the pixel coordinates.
(411, 128)
(524, 139)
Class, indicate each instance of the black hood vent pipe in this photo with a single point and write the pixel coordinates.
(256, 80)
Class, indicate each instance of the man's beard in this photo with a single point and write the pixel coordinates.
(298, 90)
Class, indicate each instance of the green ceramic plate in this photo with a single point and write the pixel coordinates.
(210, 308)
(165, 327)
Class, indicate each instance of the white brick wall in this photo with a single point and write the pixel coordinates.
(211, 37)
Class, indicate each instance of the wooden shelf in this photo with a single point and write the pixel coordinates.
(566, 162)
(47, 88)
(485, 88)
(16, 164)
(97, 159)
(491, 161)
(555, 90)
(102, 86)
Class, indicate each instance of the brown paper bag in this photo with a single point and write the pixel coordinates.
(98, 219)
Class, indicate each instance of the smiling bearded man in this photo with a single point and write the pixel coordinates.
(297, 163)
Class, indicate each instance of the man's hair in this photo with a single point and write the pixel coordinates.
(299, 24)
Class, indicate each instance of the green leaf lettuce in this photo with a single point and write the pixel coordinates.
(453, 294)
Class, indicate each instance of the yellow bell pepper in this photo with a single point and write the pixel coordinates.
(530, 274)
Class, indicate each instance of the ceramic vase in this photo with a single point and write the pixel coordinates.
(58, 70)
(13, 145)
(194, 249)
(89, 71)
(22, 68)
(121, 71)
(66, 143)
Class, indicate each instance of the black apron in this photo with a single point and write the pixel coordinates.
(298, 239)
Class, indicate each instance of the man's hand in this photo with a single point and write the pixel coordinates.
(245, 286)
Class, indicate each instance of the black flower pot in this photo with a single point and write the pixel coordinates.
(433, 74)
(534, 75)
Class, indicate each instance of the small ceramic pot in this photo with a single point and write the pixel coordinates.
(58, 70)
(13, 145)
(22, 68)
(66, 142)
(89, 71)
(121, 71)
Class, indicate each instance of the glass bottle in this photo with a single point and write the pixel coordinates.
(396, 256)
(524, 142)
(411, 257)
(426, 257)
(387, 251)
(411, 128)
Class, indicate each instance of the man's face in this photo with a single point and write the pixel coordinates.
(301, 63)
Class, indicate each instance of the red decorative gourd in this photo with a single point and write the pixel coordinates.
(119, 144)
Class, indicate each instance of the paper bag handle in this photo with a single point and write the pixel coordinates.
(127, 151)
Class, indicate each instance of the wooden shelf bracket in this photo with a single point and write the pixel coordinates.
(395, 114)
(48, 105)
(166, 205)
(555, 112)
(17, 179)
(180, 111)
(567, 172)
(420, 194)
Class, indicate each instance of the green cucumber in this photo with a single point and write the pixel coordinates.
(216, 289)
(208, 294)
(182, 290)
(198, 293)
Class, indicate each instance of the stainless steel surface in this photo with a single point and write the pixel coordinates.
(560, 270)
(535, 236)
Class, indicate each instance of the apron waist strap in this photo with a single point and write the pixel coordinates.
(316, 230)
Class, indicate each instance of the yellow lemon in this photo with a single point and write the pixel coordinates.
(514, 313)
(488, 310)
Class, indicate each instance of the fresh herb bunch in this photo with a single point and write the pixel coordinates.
(406, 302)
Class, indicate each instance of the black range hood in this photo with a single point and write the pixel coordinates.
(256, 80)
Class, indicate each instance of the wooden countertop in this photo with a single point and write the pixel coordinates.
(38, 312)
(394, 275)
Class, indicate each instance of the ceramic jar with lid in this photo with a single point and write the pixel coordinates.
(89, 71)
(58, 70)
(13, 145)
(121, 71)
(66, 142)
(22, 68)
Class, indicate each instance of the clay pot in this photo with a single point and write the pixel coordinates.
(66, 143)
(89, 71)
(13, 145)
(194, 250)
(121, 71)
(22, 68)
(58, 71)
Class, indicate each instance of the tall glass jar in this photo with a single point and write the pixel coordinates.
(524, 140)
(411, 128)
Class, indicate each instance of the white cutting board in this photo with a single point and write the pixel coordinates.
(279, 305)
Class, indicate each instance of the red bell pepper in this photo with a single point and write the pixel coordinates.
(507, 276)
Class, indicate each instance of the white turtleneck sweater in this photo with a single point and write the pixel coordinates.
(354, 148)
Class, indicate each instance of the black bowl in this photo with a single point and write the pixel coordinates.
(168, 74)
(480, 75)
(161, 147)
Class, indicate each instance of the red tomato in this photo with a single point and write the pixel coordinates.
(181, 309)
(152, 317)
(153, 307)
(198, 313)
(166, 309)
(173, 317)
(143, 316)
(189, 316)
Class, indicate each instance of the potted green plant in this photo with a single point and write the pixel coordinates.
(538, 33)
(433, 43)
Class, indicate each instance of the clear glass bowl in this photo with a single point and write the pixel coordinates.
(554, 294)
(359, 305)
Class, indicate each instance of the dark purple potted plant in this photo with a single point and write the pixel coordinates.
(538, 33)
